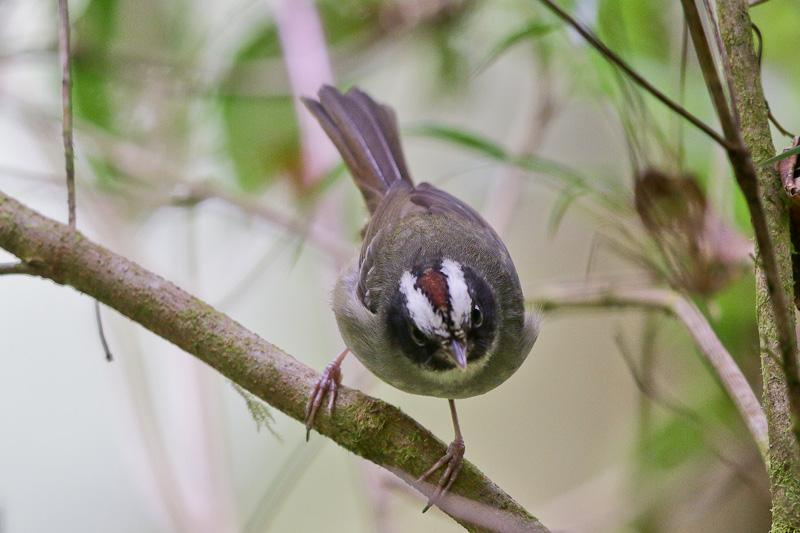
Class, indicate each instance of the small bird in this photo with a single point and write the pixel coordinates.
(432, 305)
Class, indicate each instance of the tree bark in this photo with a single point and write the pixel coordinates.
(784, 466)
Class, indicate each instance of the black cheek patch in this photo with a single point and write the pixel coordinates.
(427, 355)
(481, 338)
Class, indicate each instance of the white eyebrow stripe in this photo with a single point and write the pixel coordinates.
(460, 300)
(420, 309)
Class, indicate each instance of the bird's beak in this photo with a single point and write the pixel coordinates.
(457, 349)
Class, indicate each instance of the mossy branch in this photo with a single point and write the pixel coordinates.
(744, 117)
(364, 425)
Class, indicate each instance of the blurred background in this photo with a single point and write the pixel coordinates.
(194, 159)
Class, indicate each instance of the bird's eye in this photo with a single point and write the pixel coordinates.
(476, 317)
(416, 335)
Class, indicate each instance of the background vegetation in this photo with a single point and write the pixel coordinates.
(193, 159)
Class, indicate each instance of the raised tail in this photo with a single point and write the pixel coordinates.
(365, 133)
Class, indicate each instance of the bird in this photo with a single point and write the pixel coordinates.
(432, 304)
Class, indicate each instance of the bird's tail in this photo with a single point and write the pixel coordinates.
(365, 133)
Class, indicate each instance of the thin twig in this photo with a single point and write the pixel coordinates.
(101, 332)
(759, 51)
(682, 93)
(648, 388)
(644, 381)
(776, 319)
(669, 301)
(15, 268)
(783, 131)
(66, 106)
(705, 57)
(606, 52)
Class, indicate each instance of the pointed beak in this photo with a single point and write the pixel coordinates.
(457, 349)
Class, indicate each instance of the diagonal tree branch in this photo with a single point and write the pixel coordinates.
(366, 426)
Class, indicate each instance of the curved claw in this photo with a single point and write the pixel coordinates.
(328, 382)
(454, 459)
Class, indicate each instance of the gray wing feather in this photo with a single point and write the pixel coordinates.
(438, 201)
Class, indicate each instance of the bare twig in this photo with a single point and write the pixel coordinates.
(606, 52)
(648, 388)
(101, 332)
(66, 106)
(783, 131)
(15, 268)
(669, 301)
(368, 427)
(727, 114)
(682, 94)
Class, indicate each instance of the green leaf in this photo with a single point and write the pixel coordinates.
(560, 208)
(91, 70)
(564, 176)
(262, 130)
(678, 441)
(262, 138)
(492, 150)
(531, 30)
(628, 27)
(461, 137)
(784, 155)
(259, 115)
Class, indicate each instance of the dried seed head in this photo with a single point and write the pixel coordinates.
(702, 253)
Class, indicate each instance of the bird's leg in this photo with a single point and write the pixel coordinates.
(328, 382)
(453, 458)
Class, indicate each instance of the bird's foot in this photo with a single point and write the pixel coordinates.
(453, 459)
(328, 382)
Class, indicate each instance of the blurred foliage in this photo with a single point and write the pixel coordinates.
(93, 82)
(262, 131)
(531, 30)
(778, 22)
(628, 27)
(158, 107)
(127, 57)
(94, 35)
(678, 440)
